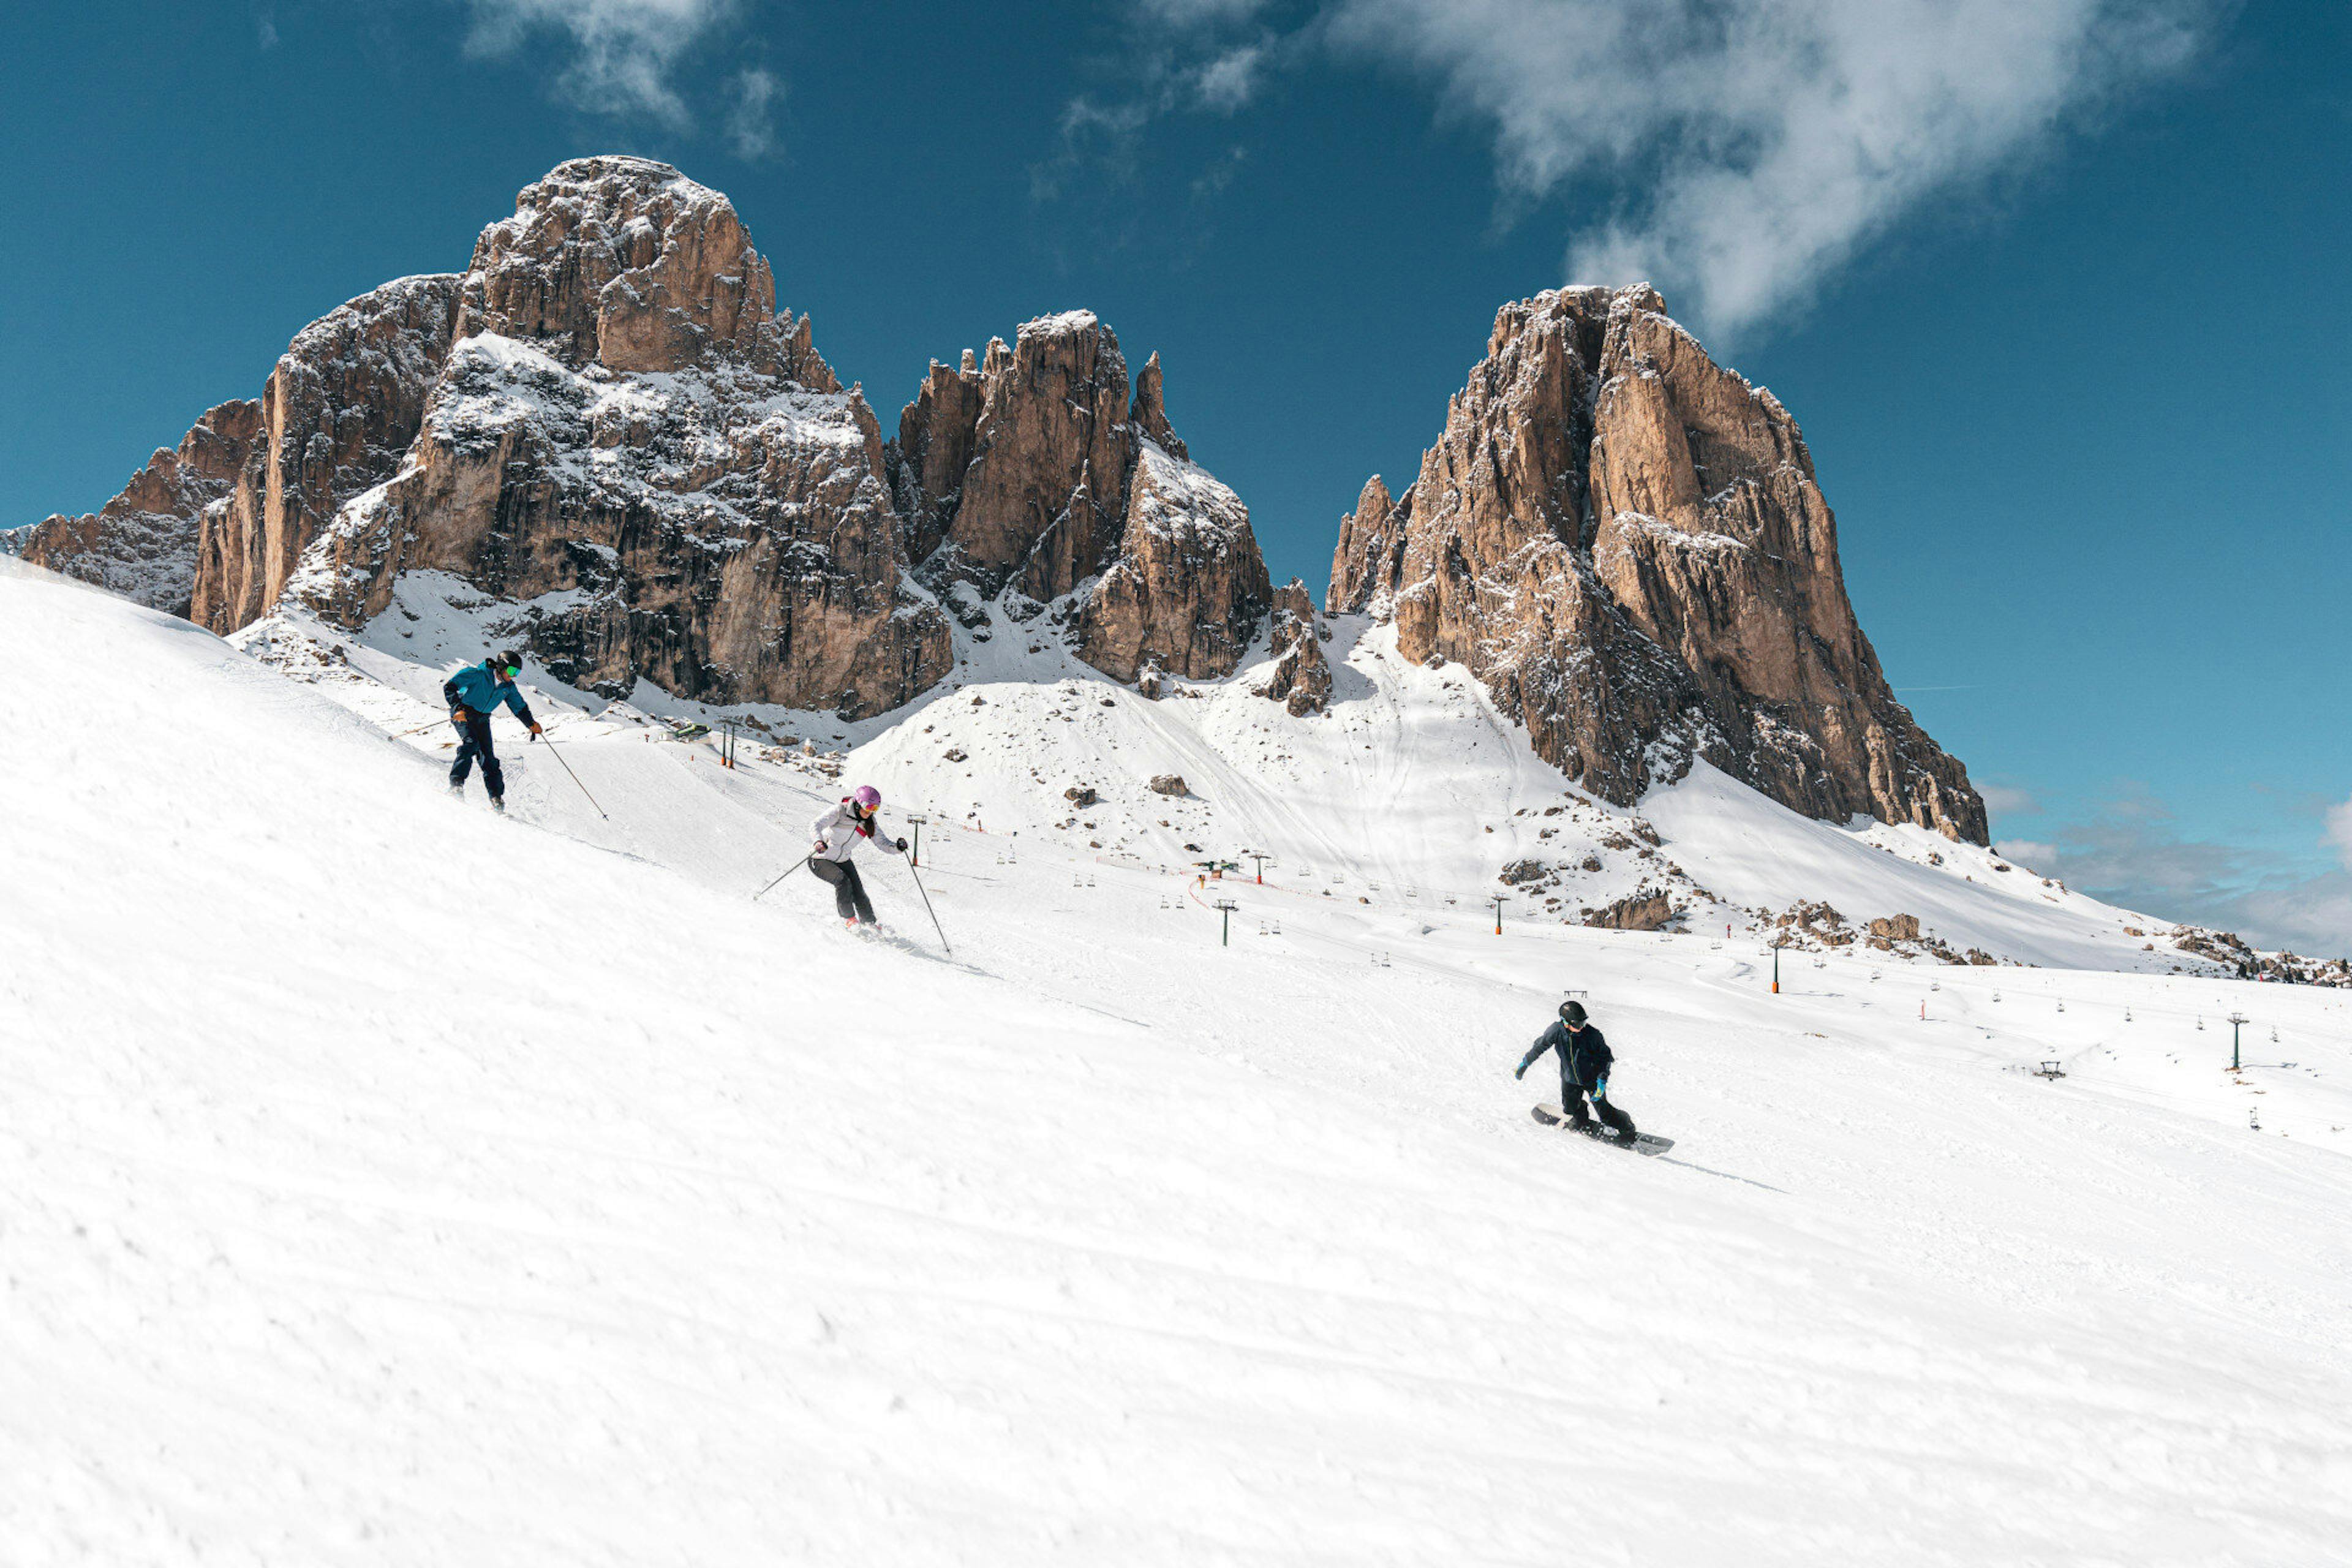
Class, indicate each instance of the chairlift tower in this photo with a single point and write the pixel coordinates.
(1225, 907)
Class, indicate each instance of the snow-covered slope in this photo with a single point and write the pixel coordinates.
(1410, 794)
(382, 1182)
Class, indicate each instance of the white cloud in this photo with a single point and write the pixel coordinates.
(2009, 800)
(2131, 853)
(1228, 82)
(750, 118)
(1765, 141)
(2032, 854)
(620, 55)
(2339, 832)
(1199, 13)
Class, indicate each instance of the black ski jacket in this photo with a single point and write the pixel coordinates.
(1584, 1054)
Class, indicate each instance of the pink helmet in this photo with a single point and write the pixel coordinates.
(866, 795)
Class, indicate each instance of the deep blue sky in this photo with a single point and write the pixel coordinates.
(2073, 362)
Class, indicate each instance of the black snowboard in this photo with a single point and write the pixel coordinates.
(1643, 1142)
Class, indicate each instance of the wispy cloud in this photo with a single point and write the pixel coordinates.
(1739, 152)
(1228, 82)
(619, 57)
(2338, 831)
(266, 28)
(1182, 56)
(750, 114)
(2030, 853)
(2008, 800)
(2131, 852)
(1756, 144)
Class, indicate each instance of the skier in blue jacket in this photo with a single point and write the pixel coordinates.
(1584, 1062)
(474, 694)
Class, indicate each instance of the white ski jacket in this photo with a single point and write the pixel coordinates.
(838, 831)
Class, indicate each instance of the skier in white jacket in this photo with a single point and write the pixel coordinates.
(837, 833)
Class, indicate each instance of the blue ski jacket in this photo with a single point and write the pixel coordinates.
(482, 688)
(1584, 1054)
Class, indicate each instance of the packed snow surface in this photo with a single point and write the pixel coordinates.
(383, 1181)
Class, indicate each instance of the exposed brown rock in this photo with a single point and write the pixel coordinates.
(634, 464)
(1647, 911)
(625, 263)
(338, 413)
(724, 530)
(1897, 928)
(1044, 496)
(1626, 543)
(1148, 412)
(1302, 677)
(1033, 474)
(143, 543)
(1369, 558)
(1169, 784)
(1188, 589)
(937, 433)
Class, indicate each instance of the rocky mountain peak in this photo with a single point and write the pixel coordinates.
(1627, 543)
(627, 263)
(1045, 476)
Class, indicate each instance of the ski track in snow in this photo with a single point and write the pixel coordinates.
(382, 1182)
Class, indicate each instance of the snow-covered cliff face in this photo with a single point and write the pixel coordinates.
(1035, 476)
(339, 409)
(605, 438)
(1627, 544)
(143, 543)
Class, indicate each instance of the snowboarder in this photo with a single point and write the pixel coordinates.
(473, 693)
(1584, 1062)
(837, 833)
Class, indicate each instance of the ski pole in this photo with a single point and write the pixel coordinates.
(928, 910)
(788, 871)
(575, 779)
(418, 731)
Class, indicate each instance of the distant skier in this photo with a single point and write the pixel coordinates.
(473, 693)
(1584, 1062)
(837, 833)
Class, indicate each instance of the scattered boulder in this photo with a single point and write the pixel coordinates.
(1168, 784)
(1519, 872)
(1080, 795)
(1645, 910)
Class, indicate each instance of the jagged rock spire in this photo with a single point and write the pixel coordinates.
(1627, 543)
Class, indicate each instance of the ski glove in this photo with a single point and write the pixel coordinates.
(1520, 1071)
(1600, 1089)
(902, 846)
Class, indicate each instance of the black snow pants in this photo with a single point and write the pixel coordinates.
(474, 741)
(1571, 1097)
(848, 890)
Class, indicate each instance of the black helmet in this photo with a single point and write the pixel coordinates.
(1571, 1013)
(507, 663)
